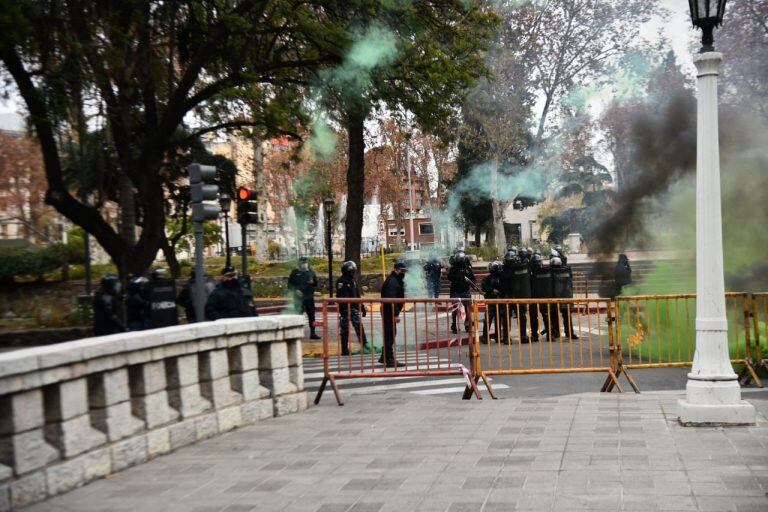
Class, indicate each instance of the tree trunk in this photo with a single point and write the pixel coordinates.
(355, 186)
(496, 232)
(477, 235)
(169, 251)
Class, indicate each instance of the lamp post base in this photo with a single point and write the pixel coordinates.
(710, 403)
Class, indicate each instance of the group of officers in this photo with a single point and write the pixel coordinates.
(152, 302)
(521, 275)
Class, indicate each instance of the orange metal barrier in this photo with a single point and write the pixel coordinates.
(760, 328)
(656, 331)
(423, 343)
(581, 338)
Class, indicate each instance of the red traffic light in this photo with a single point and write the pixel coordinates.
(246, 194)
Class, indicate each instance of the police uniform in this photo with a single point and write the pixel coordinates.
(460, 288)
(491, 286)
(228, 300)
(393, 288)
(518, 286)
(562, 285)
(304, 281)
(346, 288)
(106, 304)
(433, 270)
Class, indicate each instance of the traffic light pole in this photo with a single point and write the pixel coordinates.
(199, 273)
(244, 248)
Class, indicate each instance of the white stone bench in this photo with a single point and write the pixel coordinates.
(77, 411)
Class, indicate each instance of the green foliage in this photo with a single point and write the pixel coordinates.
(485, 252)
(32, 261)
(185, 239)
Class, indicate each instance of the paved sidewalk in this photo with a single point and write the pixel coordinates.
(400, 452)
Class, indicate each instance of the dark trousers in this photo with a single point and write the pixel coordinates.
(390, 331)
(357, 325)
(308, 306)
(433, 288)
(528, 311)
(490, 318)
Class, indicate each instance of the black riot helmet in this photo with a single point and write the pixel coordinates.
(494, 267)
(348, 268)
(555, 262)
(510, 258)
(460, 258)
(110, 283)
(537, 260)
(137, 284)
(158, 273)
(553, 253)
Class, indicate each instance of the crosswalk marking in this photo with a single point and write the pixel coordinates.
(451, 390)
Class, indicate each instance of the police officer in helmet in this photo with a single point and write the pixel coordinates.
(346, 288)
(137, 303)
(162, 299)
(106, 307)
(393, 288)
(491, 286)
(303, 282)
(562, 283)
(433, 270)
(462, 280)
(228, 299)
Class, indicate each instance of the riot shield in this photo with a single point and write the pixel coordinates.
(562, 278)
(521, 281)
(541, 283)
(162, 303)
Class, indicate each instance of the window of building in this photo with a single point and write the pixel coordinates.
(426, 229)
(392, 231)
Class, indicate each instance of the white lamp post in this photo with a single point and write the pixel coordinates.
(713, 393)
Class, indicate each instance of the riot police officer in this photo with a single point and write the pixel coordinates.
(346, 288)
(433, 270)
(137, 304)
(302, 283)
(186, 297)
(162, 299)
(393, 288)
(491, 286)
(106, 305)
(561, 254)
(462, 279)
(562, 286)
(228, 299)
(541, 288)
(517, 285)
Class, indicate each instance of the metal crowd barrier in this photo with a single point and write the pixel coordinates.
(760, 328)
(578, 338)
(657, 331)
(423, 341)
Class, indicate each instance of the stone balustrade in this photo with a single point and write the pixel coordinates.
(77, 411)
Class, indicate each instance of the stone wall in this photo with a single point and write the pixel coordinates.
(81, 410)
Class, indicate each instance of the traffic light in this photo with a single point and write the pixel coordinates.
(202, 188)
(248, 207)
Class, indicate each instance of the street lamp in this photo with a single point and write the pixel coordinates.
(328, 210)
(706, 15)
(226, 202)
(713, 393)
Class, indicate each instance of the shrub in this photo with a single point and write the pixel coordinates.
(32, 261)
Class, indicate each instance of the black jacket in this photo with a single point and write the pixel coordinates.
(304, 281)
(136, 306)
(491, 286)
(393, 288)
(346, 288)
(105, 310)
(433, 270)
(458, 276)
(228, 301)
